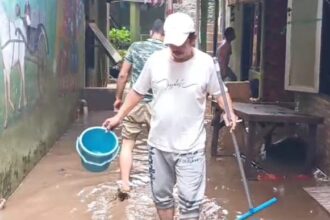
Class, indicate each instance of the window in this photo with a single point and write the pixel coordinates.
(251, 40)
(303, 47)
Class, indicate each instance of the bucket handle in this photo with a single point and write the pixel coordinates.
(92, 163)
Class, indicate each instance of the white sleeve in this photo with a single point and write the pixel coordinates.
(213, 86)
(143, 83)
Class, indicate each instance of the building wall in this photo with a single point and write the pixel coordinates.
(274, 51)
(318, 105)
(121, 13)
(41, 99)
(236, 21)
(273, 72)
(97, 75)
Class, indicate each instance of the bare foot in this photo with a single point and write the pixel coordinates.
(2, 203)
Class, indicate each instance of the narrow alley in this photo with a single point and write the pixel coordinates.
(60, 73)
(59, 186)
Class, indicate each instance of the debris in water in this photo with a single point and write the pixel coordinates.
(73, 210)
(211, 210)
(279, 190)
(319, 175)
(122, 195)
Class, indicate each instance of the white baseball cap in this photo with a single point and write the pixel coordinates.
(177, 27)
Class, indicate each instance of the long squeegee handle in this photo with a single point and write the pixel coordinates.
(222, 89)
(237, 152)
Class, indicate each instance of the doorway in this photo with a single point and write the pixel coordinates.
(325, 50)
(247, 44)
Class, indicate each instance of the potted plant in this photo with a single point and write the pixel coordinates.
(121, 39)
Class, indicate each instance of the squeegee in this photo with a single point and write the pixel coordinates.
(252, 210)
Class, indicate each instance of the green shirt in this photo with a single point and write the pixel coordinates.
(138, 53)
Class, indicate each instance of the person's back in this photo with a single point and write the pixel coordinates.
(224, 49)
(138, 54)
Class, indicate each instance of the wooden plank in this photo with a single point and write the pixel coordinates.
(273, 113)
(109, 49)
(321, 195)
(239, 91)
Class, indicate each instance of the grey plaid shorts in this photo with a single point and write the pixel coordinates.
(187, 171)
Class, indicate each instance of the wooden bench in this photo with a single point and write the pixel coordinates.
(261, 120)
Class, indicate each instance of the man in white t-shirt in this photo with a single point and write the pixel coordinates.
(180, 77)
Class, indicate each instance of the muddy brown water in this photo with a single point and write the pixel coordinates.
(59, 188)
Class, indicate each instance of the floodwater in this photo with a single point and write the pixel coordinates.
(59, 188)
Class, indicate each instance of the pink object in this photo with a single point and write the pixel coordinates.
(303, 177)
(270, 177)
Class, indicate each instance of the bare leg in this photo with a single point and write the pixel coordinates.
(166, 214)
(7, 75)
(125, 162)
(6, 100)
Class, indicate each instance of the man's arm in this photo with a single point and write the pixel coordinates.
(131, 100)
(124, 74)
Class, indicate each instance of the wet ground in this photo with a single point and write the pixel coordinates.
(59, 188)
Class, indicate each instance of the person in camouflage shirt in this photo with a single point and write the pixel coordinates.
(137, 55)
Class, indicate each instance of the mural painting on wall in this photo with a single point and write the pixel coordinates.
(39, 53)
(37, 41)
(24, 48)
(71, 22)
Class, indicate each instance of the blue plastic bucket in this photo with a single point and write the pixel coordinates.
(97, 147)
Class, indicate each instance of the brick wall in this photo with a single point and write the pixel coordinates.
(274, 51)
(190, 7)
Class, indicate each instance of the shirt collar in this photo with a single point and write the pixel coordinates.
(155, 41)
